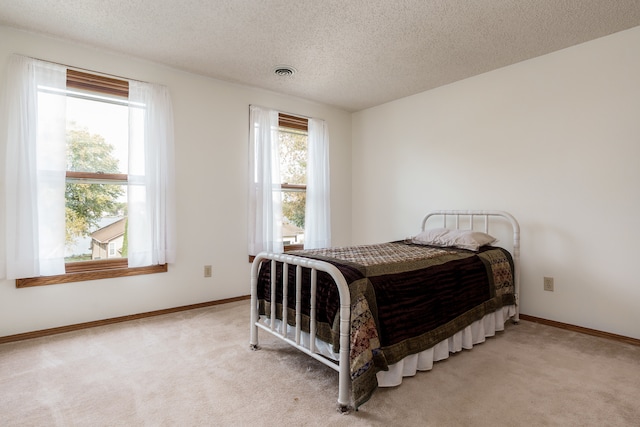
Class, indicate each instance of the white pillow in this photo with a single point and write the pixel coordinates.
(444, 237)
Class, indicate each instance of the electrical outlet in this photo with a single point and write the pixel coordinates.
(207, 271)
(548, 284)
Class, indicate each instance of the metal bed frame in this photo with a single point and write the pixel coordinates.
(342, 366)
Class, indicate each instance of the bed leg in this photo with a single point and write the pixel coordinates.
(253, 341)
(344, 409)
(515, 319)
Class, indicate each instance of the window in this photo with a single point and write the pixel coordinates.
(97, 136)
(292, 147)
(289, 182)
(98, 161)
(112, 249)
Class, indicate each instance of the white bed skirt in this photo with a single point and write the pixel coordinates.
(475, 333)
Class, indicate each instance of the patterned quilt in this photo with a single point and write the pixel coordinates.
(405, 298)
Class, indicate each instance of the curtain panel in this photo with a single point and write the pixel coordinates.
(35, 163)
(317, 228)
(151, 189)
(265, 207)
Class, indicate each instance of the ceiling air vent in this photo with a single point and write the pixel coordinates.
(284, 71)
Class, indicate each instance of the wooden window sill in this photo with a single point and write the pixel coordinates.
(81, 276)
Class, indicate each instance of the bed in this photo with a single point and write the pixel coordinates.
(378, 313)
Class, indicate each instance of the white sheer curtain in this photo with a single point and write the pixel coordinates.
(151, 190)
(35, 164)
(265, 208)
(317, 227)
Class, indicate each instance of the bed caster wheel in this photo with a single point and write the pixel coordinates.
(254, 347)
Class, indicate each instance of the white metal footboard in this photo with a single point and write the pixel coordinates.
(345, 313)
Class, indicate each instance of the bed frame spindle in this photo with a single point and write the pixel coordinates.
(298, 303)
(273, 296)
(285, 298)
(312, 312)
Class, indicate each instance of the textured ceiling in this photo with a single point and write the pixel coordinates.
(352, 54)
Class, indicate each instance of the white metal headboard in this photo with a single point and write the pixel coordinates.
(488, 215)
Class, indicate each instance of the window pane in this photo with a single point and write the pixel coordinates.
(96, 218)
(97, 134)
(293, 210)
(97, 141)
(293, 170)
(293, 156)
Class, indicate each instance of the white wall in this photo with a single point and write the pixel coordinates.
(211, 131)
(555, 141)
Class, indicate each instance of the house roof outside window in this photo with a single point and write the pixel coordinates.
(110, 232)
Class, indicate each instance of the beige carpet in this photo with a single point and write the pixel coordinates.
(195, 368)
